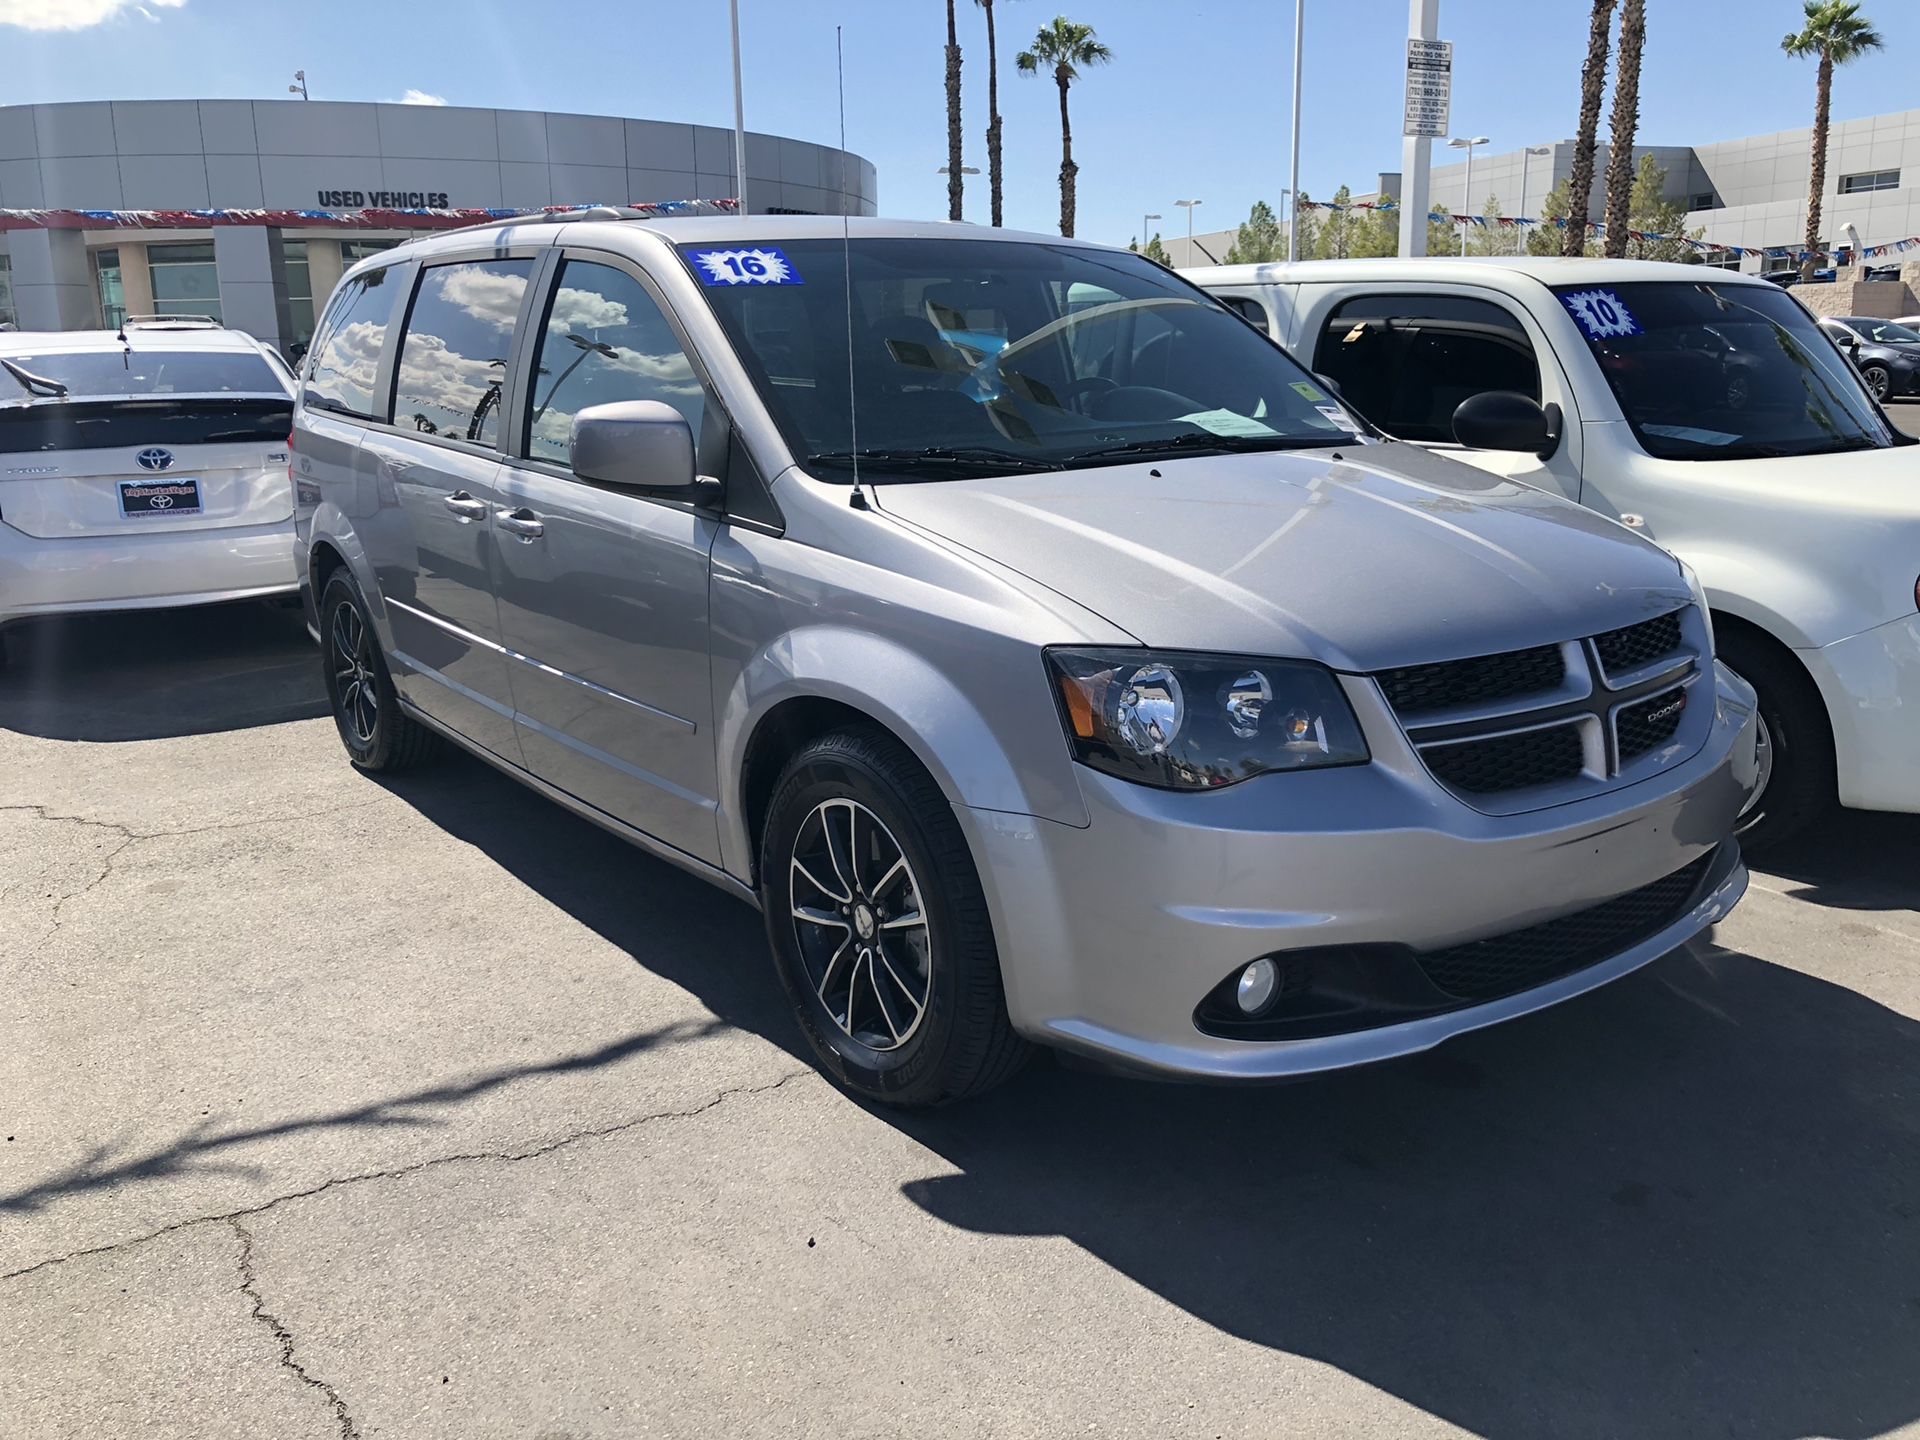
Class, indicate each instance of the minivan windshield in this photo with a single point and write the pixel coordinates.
(92, 373)
(972, 356)
(1713, 371)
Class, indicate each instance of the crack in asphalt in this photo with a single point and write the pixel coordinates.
(250, 1287)
(130, 837)
(576, 1137)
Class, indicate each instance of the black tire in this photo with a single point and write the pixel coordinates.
(1879, 380)
(960, 1043)
(379, 737)
(1800, 787)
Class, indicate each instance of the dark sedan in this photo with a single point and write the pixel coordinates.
(1887, 354)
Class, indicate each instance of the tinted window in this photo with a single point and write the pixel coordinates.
(1249, 310)
(605, 340)
(1407, 361)
(342, 370)
(1884, 332)
(148, 372)
(934, 358)
(453, 359)
(1723, 371)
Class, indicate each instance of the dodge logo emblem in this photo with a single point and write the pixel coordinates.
(155, 459)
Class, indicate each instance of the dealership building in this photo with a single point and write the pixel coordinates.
(294, 191)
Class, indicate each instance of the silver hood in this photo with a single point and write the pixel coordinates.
(1388, 556)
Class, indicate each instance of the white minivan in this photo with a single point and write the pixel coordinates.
(1704, 408)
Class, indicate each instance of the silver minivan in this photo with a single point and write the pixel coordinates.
(1046, 654)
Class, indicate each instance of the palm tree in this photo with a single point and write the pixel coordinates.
(1836, 32)
(1626, 120)
(1064, 47)
(953, 118)
(1593, 83)
(993, 111)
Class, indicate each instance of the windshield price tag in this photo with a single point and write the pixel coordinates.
(1336, 416)
(763, 266)
(1602, 314)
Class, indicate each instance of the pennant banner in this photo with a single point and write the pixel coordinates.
(376, 219)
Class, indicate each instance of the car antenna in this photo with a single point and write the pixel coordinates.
(858, 498)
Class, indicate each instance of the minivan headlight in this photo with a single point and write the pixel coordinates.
(1699, 597)
(1185, 721)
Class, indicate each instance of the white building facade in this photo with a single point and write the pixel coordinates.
(364, 163)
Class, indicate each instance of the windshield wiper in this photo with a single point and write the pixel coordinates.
(35, 384)
(951, 460)
(1230, 443)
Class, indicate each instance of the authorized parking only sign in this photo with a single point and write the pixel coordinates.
(1429, 87)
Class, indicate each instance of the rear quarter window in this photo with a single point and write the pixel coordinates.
(344, 369)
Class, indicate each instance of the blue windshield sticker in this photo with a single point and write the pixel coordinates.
(761, 266)
(1602, 314)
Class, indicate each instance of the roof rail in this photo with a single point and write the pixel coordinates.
(561, 217)
(172, 322)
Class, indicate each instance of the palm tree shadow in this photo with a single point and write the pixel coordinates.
(1687, 1204)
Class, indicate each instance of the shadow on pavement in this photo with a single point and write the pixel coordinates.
(1687, 1204)
(153, 674)
(1852, 860)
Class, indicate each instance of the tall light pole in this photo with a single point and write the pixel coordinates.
(1290, 199)
(739, 118)
(1188, 206)
(1143, 230)
(1467, 205)
(299, 86)
(1526, 159)
(1293, 175)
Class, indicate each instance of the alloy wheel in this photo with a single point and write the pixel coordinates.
(860, 924)
(357, 694)
(1763, 757)
(1879, 382)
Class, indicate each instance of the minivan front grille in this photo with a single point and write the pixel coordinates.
(1634, 647)
(1509, 762)
(1482, 678)
(1507, 964)
(1546, 724)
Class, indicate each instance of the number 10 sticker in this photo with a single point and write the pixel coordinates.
(1602, 314)
(763, 266)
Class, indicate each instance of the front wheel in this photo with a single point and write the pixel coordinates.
(1879, 380)
(366, 711)
(1795, 744)
(879, 928)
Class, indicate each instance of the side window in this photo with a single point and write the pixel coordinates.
(340, 373)
(1407, 361)
(1248, 309)
(605, 340)
(453, 359)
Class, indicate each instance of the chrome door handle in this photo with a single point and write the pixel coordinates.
(521, 522)
(465, 506)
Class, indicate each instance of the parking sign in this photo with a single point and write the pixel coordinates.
(1429, 87)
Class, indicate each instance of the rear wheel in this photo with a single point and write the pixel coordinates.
(879, 928)
(1796, 744)
(366, 711)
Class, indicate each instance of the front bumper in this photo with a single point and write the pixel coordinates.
(138, 572)
(1871, 685)
(1111, 936)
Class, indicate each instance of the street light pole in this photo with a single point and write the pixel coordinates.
(1143, 230)
(1526, 161)
(739, 118)
(1467, 203)
(1293, 176)
(1188, 206)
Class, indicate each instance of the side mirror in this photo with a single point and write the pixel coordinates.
(635, 444)
(1331, 384)
(1507, 420)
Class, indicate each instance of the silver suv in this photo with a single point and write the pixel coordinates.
(1046, 654)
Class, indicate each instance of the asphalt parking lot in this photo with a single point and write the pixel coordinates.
(334, 1107)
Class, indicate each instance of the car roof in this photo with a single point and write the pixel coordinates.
(698, 230)
(139, 339)
(1547, 270)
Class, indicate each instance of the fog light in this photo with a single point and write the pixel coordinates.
(1257, 984)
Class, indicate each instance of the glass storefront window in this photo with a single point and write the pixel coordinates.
(352, 251)
(299, 292)
(184, 280)
(113, 299)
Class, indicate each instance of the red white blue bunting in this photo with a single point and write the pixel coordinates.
(376, 219)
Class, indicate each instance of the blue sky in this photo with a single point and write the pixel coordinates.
(1195, 104)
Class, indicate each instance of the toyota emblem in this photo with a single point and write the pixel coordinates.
(155, 459)
(161, 502)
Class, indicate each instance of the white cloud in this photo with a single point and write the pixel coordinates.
(420, 97)
(75, 14)
(486, 295)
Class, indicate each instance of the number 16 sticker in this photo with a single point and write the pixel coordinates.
(1602, 314)
(762, 266)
